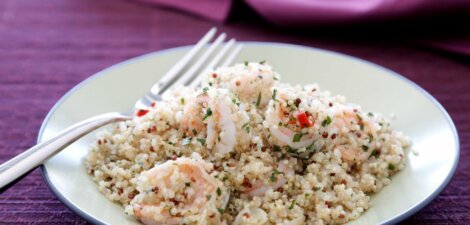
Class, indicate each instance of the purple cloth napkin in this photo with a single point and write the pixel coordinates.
(333, 12)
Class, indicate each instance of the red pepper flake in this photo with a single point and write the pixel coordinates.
(99, 142)
(246, 183)
(174, 157)
(120, 191)
(154, 128)
(332, 174)
(152, 104)
(214, 75)
(280, 189)
(355, 110)
(237, 83)
(329, 204)
(151, 149)
(333, 136)
(142, 112)
(303, 120)
(246, 215)
(131, 195)
(149, 130)
(212, 216)
(325, 134)
(343, 181)
(263, 149)
(341, 216)
(330, 104)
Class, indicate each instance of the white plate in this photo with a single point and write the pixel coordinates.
(418, 114)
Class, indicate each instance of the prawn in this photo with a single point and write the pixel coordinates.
(172, 192)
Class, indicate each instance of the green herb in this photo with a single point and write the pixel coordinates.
(280, 124)
(361, 127)
(246, 63)
(186, 141)
(208, 113)
(194, 132)
(297, 137)
(317, 188)
(275, 78)
(371, 138)
(391, 166)
(274, 94)
(221, 211)
(246, 127)
(258, 101)
(262, 62)
(210, 84)
(359, 117)
(224, 178)
(292, 205)
(381, 124)
(374, 153)
(326, 122)
(202, 141)
(365, 148)
(370, 114)
(208, 197)
(276, 148)
(204, 90)
(219, 192)
(187, 184)
(182, 101)
(273, 177)
(171, 143)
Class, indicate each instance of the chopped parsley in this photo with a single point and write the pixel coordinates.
(194, 132)
(326, 122)
(202, 141)
(187, 184)
(182, 101)
(186, 141)
(391, 166)
(208, 197)
(246, 127)
(262, 62)
(374, 153)
(246, 63)
(292, 205)
(371, 138)
(365, 148)
(297, 137)
(219, 192)
(273, 177)
(361, 127)
(274, 94)
(258, 101)
(370, 114)
(359, 117)
(208, 113)
(276, 148)
(204, 90)
(221, 211)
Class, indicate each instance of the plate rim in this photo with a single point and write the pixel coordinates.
(396, 219)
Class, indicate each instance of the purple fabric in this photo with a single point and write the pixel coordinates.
(49, 46)
(294, 12)
(290, 13)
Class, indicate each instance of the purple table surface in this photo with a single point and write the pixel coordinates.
(47, 47)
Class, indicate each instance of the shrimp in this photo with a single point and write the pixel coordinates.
(282, 124)
(251, 215)
(346, 120)
(210, 116)
(177, 192)
(251, 82)
(276, 180)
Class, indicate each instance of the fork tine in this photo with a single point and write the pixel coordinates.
(229, 60)
(192, 71)
(175, 71)
(211, 65)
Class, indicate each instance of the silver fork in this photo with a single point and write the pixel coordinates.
(184, 72)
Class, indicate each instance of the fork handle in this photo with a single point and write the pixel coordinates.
(14, 169)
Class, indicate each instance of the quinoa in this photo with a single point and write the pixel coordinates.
(247, 149)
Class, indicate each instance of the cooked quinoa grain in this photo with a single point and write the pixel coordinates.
(247, 149)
